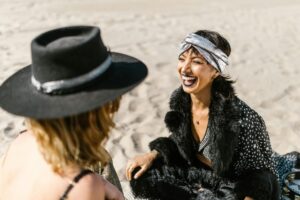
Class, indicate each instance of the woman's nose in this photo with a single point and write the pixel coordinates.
(186, 66)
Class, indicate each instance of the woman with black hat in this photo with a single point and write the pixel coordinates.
(68, 96)
(219, 147)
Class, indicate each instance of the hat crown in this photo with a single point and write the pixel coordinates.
(72, 73)
(66, 53)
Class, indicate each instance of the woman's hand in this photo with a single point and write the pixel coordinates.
(143, 161)
(248, 198)
(112, 192)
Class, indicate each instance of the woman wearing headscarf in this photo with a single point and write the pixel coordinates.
(219, 147)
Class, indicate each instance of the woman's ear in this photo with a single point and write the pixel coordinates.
(216, 74)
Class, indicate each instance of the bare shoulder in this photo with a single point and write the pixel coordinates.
(90, 187)
(21, 145)
(17, 153)
(22, 140)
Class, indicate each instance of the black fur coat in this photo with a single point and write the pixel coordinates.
(240, 148)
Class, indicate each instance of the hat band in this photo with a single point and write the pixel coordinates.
(60, 85)
(213, 55)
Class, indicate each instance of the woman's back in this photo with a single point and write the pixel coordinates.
(24, 174)
(68, 96)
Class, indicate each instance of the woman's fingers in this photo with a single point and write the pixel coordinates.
(140, 172)
(127, 169)
(144, 161)
(131, 166)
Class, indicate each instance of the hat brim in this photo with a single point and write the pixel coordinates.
(20, 97)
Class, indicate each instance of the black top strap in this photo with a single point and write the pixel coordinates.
(75, 180)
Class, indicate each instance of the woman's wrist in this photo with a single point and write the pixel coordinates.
(154, 153)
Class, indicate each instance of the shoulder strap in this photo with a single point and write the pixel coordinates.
(75, 180)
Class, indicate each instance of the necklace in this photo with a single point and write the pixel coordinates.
(198, 120)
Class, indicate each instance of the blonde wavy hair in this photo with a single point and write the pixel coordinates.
(75, 140)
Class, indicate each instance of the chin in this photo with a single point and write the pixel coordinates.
(189, 90)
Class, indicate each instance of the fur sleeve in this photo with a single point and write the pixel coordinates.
(173, 183)
(167, 149)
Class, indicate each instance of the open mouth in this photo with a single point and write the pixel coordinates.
(188, 81)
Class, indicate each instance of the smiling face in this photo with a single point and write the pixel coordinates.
(195, 74)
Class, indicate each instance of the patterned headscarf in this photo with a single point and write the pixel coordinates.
(213, 55)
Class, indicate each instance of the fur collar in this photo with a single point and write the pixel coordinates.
(224, 124)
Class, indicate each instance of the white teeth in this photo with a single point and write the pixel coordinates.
(187, 78)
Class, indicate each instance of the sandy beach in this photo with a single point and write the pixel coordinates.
(265, 59)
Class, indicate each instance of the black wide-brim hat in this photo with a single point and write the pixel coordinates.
(72, 72)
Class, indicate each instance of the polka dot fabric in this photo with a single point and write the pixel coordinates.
(253, 151)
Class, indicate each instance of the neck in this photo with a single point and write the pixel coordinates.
(201, 100)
